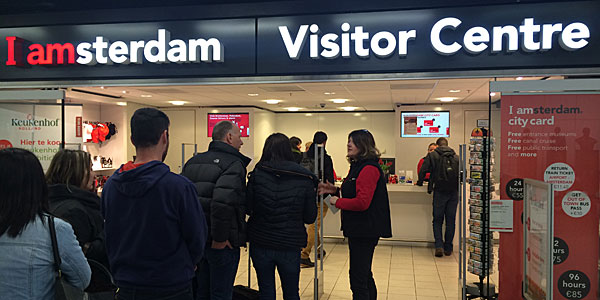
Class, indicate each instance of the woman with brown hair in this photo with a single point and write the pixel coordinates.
(365, 210)
(71, 197)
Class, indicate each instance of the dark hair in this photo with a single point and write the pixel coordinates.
(71, 167)
(147, 125)
(442, 142)
(295, 142)
(432, 144)
(221, 130)
(320, 137)
(365, 143)
(23, 190)
(277, 148)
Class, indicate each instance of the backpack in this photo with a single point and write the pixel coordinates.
(447, 176)
(308, 163)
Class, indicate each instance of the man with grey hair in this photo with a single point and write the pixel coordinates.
(220, 178)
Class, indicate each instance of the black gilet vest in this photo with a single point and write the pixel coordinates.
(375, 221)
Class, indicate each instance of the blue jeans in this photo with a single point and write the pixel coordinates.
(444, 207)
(216, 273)
(288, 266)
(126, 293)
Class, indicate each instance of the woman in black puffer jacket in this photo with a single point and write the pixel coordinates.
(71, 197)
(281, 199)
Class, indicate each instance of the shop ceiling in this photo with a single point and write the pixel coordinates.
(359, 95)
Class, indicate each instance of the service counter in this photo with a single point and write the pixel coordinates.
(411, 213)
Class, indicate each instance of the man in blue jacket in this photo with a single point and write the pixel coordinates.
(155, 226)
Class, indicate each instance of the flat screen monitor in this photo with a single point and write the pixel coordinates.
(242, 120)
(425, 124)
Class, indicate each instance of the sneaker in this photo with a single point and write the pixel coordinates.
(306, 263)
(439, 252)
(447, 252)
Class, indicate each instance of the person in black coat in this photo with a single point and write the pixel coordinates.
(281, 198)
(296, 144)
(365, 210)
(219, 175)
(71, 197)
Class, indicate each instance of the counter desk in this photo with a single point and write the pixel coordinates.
(411, 213)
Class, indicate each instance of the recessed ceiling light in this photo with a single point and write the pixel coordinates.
(329, 93)
(146, 96)
(252, 95)
(357, 115)
(519, 78)
(349, 108)
(177, 102)
(122, 103)
(272, 101)
(492, 94)
(124, 92)
(309, 115)
(437, 108)
(214, 111)
(454, 91)
(293, 108)
(102, 87)
(339, 101)
(447, 99)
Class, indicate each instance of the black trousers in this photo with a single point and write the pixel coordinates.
(362, 283)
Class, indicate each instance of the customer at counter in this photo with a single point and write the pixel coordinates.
(430, 149)
(365, 210)
(442, 163)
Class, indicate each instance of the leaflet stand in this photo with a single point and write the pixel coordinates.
(478, 240)
(318, 280)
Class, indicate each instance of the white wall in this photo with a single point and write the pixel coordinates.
(463, 118)
(338, 126)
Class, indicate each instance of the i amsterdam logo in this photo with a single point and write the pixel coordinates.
(33, 124)
(23, 53)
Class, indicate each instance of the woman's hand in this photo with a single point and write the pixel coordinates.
(333, 200)
(327, 188)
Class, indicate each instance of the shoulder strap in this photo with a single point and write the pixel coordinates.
(57, 261)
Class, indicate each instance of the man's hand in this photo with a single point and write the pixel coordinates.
(327, 188)
(221, 245)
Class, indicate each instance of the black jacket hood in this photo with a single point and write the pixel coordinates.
(224, 147)
(283, 168)
(63, 192)
(441, 150)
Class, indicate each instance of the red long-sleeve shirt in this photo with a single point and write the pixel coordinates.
(366, 182)
(419, 168)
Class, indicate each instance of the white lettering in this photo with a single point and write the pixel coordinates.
(136, 51)
(403, 38)
(436, 41)
(293, 48)
(571, 33)
(160, 56)
(475, 40)
(210, 50)
(117, 52)
(513, 38)
(359, 37)
(548, 31)
(85, 56)
(528, 29)
(178, 51)
(100, 45)
(332, 49)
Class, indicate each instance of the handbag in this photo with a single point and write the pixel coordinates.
(62, 289)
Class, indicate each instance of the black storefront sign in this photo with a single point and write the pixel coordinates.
(531, 36)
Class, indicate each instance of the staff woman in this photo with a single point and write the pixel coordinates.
(365, 210)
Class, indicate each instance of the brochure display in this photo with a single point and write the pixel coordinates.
(538, 211)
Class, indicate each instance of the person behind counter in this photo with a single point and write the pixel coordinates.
(27, 269)
(281, 199)
(296, 144)
(430, 149)
(365, 210)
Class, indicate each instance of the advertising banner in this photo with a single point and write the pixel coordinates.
(37, 128)
(553, 138)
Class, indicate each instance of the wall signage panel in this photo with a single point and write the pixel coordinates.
(489, 37)
(137, 50)
(523, 36)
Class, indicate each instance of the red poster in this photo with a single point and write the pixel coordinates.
(434, 130)
(78, 126)
(553, 138)
(428, 123)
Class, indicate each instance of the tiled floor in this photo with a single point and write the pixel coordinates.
(401, 273)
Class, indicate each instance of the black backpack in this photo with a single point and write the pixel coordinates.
(447, 176)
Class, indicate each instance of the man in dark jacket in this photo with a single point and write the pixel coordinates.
(442, 164)
(220, 178)
(155, 227)
(320, 138)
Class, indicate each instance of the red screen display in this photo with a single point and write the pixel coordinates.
(242, 120)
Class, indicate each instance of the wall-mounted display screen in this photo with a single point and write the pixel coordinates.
(242, 120)
(425, 124)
